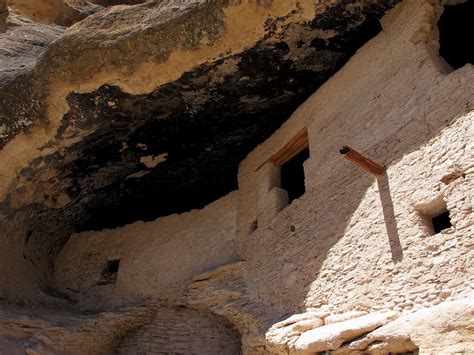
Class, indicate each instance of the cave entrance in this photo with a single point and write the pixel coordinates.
(454, 26)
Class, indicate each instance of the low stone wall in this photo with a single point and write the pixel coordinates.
(183, 331)
(157, 259)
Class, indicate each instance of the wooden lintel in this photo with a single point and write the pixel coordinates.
(289, 150)
(362, 161)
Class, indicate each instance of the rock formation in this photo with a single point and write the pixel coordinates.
(179, 57)
(170, 176)
(3, 15)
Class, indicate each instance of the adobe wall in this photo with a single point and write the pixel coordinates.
(157, 259)
(183, 331)
(353, 242)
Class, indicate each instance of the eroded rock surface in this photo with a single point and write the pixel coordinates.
(46, 331)
(445, 328)
(62, 12)
(309, 332)
(47, 11)
(332, 336)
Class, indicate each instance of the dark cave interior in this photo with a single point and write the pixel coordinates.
(454, 25)
(292, 175)
(205, 128)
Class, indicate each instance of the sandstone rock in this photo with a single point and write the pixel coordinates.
(52, 331)
(295, 318)
(21, 46)
(61, 12)
(207, 83)
(110, 2)
(48, 11)
(286, 332)
(445, 328)
(332, 336)
(3, 15)
(336, 318)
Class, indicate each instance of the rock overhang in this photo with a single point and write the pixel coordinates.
(205, 121)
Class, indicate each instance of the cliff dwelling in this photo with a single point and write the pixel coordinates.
(236, 177)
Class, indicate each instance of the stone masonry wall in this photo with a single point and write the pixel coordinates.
(183, 331)
(354, 242)
(157, 259)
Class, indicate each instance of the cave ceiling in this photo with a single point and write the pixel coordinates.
(142, 156)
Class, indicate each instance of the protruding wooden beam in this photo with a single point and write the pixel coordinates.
(363, 162)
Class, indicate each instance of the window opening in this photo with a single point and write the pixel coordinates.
(110, 272)
(454, 26)
(441, 222)
(292, 175)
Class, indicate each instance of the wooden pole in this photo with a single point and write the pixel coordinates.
(360, 160)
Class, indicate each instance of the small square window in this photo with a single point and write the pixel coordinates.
(286, 175)
(434, 215)
(441, 222)
(110, 272)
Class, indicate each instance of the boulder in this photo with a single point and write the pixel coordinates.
(445, 328)
(295, 318)
(283, 334)
(332, 336)
(336, 318)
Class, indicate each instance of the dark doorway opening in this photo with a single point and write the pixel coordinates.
(292, 175)
(454, 26)
(441, 222)
(110, 272)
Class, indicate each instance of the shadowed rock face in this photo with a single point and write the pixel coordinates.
(3, 15)
(206, 122)
(116, 2)
(62, 12)
(139, 157)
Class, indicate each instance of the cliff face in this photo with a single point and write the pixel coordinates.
(62, 12)
(190, 87)
(171, 177)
